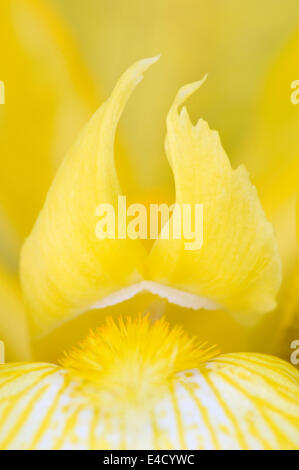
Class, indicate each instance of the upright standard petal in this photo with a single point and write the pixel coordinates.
(65, 268)
(238, 266)
(137, 385)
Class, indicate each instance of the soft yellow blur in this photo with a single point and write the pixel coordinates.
(13, 326)
(49, 95)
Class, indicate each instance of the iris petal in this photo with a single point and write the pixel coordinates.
(238, 401)
(238, 265)
(65, 268)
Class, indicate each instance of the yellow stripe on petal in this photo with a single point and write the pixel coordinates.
(65, 268)
(232, 401)
(238, 265)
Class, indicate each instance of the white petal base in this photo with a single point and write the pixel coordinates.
(174, 296)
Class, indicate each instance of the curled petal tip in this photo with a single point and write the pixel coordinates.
(150, 60)
(187, 90)
(144, 64)
(203, 174)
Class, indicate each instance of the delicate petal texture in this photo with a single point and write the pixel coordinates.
(236, 401)
(64, 267)
(238, 265)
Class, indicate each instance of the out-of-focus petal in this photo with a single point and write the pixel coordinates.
(13, 325)
(10, 242)
(48, 97)
(286, 339)
(233, 41)
(271, 153)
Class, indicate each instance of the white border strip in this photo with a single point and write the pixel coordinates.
(174, 296)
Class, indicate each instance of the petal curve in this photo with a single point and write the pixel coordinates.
(238, 266)
(64, 267)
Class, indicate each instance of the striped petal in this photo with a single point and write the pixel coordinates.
(235, 401)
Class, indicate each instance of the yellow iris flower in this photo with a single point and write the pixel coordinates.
(137, 385)
(66, 270)
(238, 45)
(151, 374)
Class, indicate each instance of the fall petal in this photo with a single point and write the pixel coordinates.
(237, 401)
